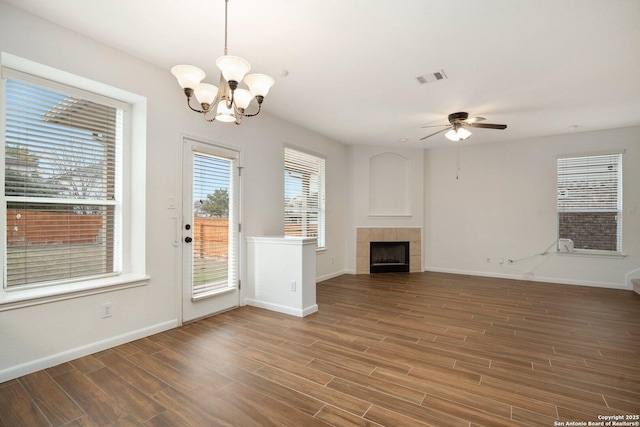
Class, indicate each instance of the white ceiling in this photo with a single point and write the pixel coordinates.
(540, 66)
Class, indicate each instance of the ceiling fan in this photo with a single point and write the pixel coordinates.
(458, 123)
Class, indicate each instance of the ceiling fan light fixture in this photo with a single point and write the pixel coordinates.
(459, 134)
(457, 126)
(463, 134)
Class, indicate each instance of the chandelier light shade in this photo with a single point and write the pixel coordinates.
(233, 68)
(227, 102)
(259, 84)
(188, 76)
(206, 93)
(243, 98)
(459, 134)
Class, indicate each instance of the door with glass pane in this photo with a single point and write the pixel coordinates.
(210, 230)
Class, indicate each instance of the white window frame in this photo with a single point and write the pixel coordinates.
(581, 204)
(133, 259)
(316, 164)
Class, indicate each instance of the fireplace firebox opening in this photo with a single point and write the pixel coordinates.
(389, 257)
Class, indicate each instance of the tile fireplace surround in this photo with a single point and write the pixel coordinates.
(364, 236)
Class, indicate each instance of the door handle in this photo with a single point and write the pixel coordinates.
(188, 239)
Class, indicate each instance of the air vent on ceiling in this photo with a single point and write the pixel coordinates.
(431, 77)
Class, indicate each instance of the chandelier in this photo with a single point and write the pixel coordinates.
(227, 102)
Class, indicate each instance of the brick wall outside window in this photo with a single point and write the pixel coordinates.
(589, 230)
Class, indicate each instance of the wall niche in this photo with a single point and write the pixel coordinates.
(389, 185)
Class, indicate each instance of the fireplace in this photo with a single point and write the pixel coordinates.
(389, 257)
(366, 235)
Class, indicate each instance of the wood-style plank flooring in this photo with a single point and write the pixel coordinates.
(383, 350)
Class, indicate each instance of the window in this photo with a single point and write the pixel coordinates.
(73, 205)
(215, 221)
(590, 202)
(304, 213)
(62, 183)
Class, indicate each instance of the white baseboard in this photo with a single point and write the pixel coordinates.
(561, 281)
(530, 278)
(309, 310)
(292, 311)
(74, 353)
(331, 275)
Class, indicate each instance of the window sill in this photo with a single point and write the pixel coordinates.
(20, 298)
(593, 254)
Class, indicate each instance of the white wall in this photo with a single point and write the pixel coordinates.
(360, 159)
(504, 205)
(42, 335)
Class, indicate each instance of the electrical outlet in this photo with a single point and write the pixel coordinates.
(500, 260)
(106, 310)
(293, 286)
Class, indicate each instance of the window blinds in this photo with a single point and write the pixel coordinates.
(591, 183)
(304, 198)
(62, 184)
(215, 234)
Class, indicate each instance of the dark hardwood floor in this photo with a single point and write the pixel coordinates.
(388, 349)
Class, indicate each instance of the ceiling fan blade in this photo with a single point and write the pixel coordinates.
(435, 133)
(487, 126)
